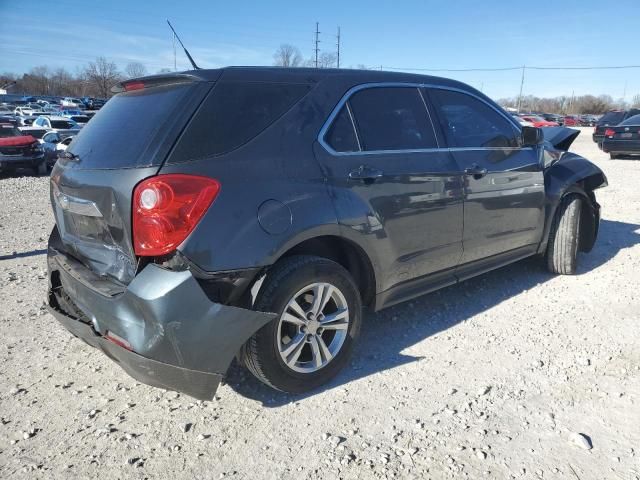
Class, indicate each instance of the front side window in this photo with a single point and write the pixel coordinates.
(471, 123)
(392, 118)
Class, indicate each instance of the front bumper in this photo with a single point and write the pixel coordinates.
(11, 162)
(180, 340)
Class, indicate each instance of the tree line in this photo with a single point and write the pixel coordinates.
(570, 104)
(96, 78)
(93, 80)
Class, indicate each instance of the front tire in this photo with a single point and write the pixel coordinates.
(319, 314)
(564, 237)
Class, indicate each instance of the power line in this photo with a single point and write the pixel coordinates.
(501, 69)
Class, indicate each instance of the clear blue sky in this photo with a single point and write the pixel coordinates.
(413, 34)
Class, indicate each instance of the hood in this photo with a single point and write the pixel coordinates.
(560, 137)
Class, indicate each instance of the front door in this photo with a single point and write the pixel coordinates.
(504, 184)
(391, 183)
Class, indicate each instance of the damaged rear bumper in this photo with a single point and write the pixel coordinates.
(175, 337)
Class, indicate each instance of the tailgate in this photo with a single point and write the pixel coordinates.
(92, 185)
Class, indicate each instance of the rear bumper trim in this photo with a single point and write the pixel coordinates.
(200, 385)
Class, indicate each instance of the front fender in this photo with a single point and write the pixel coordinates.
(570, 174)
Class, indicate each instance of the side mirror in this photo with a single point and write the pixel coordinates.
(531, 136)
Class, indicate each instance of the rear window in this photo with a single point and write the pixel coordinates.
(130, 129)
(233, 114)
(611, 118)
(635, 120)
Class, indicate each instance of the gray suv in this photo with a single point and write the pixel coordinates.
(253, 212)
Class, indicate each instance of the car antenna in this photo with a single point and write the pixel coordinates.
(193, 64)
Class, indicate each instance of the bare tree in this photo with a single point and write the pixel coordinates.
(103, 74)
(327, 60)
(287, 56)
(135, 69)
(635, 101)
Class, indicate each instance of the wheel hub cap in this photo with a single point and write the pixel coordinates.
(313, 327)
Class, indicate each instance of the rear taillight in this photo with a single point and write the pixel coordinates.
(609, 132)
(167, 208)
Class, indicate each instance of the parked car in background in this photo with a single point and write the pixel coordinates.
(571, 121)
(258, 209)
(552, 117)
(611, 118)
(59, 124)
(522, 121)
(623, 139)
(77, 116)
(537, 121)
(25, 111)
(71, 102)
(54, 144)
(20, 151)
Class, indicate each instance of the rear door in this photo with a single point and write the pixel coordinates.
(392, 183)
(504, 185)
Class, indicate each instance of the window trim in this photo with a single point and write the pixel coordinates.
(363, 86)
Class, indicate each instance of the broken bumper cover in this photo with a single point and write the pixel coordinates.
(179, 339)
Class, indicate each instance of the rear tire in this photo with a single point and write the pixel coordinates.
(296, 352)
(564, 237)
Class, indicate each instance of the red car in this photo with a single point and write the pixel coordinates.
(537, 121)
(572, 121)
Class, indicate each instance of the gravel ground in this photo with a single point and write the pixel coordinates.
(515, 374)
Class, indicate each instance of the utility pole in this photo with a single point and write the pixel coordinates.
(338, 50)
(521, 85)
(317, 42)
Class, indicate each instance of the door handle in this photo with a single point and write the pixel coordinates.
(476, 171)
(366, 174)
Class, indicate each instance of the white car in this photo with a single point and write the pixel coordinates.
(71, 102)
(57, 124)
(24, 111)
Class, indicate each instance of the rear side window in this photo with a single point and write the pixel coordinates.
(469, 122)
(341, 136)
(392, 118)
(233, 114)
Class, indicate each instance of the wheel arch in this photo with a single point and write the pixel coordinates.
(576, 176)
(339, 249)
